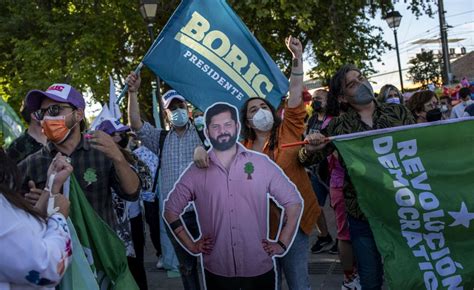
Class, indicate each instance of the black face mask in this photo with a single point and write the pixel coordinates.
(434, 115)
(123, 142)
(317, 106)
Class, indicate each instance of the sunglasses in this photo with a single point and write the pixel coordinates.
(52, 111)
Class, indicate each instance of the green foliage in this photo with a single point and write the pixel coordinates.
(82, 42)
(425, 68)
(333, 32)
(77, 42)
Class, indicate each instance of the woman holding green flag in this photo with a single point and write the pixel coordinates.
(35, 243)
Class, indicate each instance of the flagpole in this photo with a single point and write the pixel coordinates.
(158, 82)
(125, 88)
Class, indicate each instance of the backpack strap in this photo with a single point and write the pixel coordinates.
(161, 142)
(326, 122)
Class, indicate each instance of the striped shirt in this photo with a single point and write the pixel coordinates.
(178, 152)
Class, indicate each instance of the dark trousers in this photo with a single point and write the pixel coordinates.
(136, 265)
(188, 264)
(152, 218)
(369, 261)
(262, 282)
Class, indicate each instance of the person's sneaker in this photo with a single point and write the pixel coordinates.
(159, 264)
(334, 249)
(352, 284)
(321, 244)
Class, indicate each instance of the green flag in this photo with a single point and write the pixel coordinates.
(79, 275)
(103, 249)
(10, 123)
(415, 184)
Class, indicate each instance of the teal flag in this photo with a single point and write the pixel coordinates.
(79, 275)
(207, 54)
(415, 184)
(10, 123)
(104, 251)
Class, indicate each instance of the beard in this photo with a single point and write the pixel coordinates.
(223, 145)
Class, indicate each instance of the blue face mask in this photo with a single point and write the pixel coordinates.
(392, 100)
(179, 117)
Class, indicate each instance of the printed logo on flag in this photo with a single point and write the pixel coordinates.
(216, 47)
(207, 54)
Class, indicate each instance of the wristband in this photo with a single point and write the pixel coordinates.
(176, 224)
(297, 74)
(282, 245)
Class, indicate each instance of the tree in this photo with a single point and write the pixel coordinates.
(425, 68)
(77, 42)
(249, 169)
(82, 42)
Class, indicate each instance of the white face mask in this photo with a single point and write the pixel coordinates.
(199, 122)
(179, 117)
(263, 120)
(467, 103)
(444, 108)
(392, 100)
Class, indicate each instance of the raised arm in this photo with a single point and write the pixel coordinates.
(133, 81)
(297, 73)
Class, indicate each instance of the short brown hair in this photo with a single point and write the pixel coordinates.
(417, 101)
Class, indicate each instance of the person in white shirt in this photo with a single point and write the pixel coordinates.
(35, 243)
(465, 97)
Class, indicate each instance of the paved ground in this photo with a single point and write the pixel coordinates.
(325, 270)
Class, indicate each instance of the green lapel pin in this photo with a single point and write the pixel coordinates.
(249, 169)
(90, 176)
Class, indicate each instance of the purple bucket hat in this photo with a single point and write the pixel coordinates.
(62, 93)
(111, 126)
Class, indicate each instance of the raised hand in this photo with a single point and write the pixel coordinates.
(104, 143)
(294, 46)
(62, 168)
(133, 81)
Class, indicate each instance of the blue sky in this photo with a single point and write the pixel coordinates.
(459, 14)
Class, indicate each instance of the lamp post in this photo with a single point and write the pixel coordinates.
(393, 19)
(149, 9)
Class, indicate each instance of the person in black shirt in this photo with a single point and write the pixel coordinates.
(30, 141)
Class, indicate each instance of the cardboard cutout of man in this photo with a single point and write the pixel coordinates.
(231, 198)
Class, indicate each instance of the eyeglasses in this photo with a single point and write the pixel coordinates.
(52, 111)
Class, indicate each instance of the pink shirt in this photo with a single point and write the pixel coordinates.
(232, 208)
(337, 172)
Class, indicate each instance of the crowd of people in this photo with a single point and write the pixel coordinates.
(216, 207)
